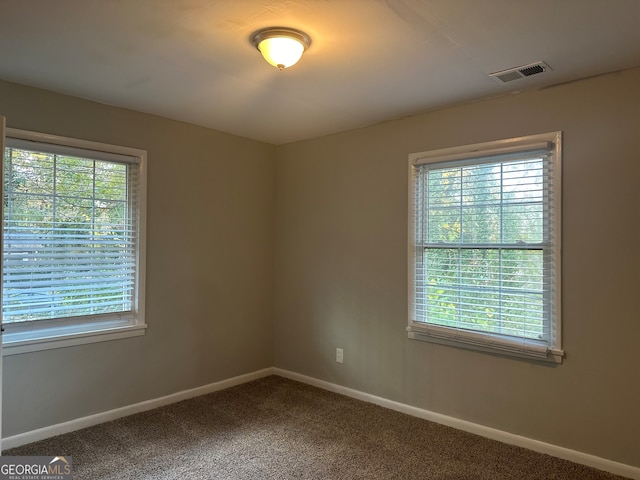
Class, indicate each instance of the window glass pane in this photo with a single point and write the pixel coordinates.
(494, 281)
(523, 181)
(481, 184)
(523, 286)
(481, 204)
(111, 181)
(481, 224)
(523, 196)
(69, 240)
(489, 290)
(444, 225)
(74, 177)
(29, 172)
(444, 199)
(523, 223)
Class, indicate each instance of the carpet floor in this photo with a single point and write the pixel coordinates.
(274, 428)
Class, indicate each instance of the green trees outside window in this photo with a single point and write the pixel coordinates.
(69, 246)
(482, 228)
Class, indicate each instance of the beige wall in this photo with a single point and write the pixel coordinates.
(209, 267)
(334, 210)
(341, 272)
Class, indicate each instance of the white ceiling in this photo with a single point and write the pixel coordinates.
(369, 61)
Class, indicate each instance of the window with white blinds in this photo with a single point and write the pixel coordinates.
(71, 238)
(485, 246)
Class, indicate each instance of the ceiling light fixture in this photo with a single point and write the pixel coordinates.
(281, 47)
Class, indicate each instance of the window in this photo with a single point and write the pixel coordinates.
(73, 242)
(485, 246)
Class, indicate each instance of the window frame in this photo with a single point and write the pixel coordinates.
(69, 331)
(476, 339)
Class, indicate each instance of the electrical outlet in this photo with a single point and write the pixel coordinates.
(339, 355)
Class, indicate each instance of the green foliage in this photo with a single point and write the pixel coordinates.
(483, 261)
(66, 236)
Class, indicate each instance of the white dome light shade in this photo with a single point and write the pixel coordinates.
(281, 52)
(281, 47)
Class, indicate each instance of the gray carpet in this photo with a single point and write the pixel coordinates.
(275, 428)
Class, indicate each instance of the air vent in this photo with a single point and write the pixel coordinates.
(511, 74)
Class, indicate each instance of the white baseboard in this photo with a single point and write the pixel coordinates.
(77, 424)
(492, 433)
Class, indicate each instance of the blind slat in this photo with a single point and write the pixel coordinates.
(70, 237)
(484, 242)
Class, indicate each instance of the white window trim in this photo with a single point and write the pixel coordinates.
(59, 334)
(480, 341)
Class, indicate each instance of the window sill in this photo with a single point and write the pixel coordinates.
(16, 343)
(551, 356)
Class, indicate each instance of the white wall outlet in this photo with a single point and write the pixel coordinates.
(339, 355)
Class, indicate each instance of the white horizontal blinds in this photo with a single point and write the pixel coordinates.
(70, 234)
(483, 238)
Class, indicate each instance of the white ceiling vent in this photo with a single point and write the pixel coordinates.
(522, 71)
